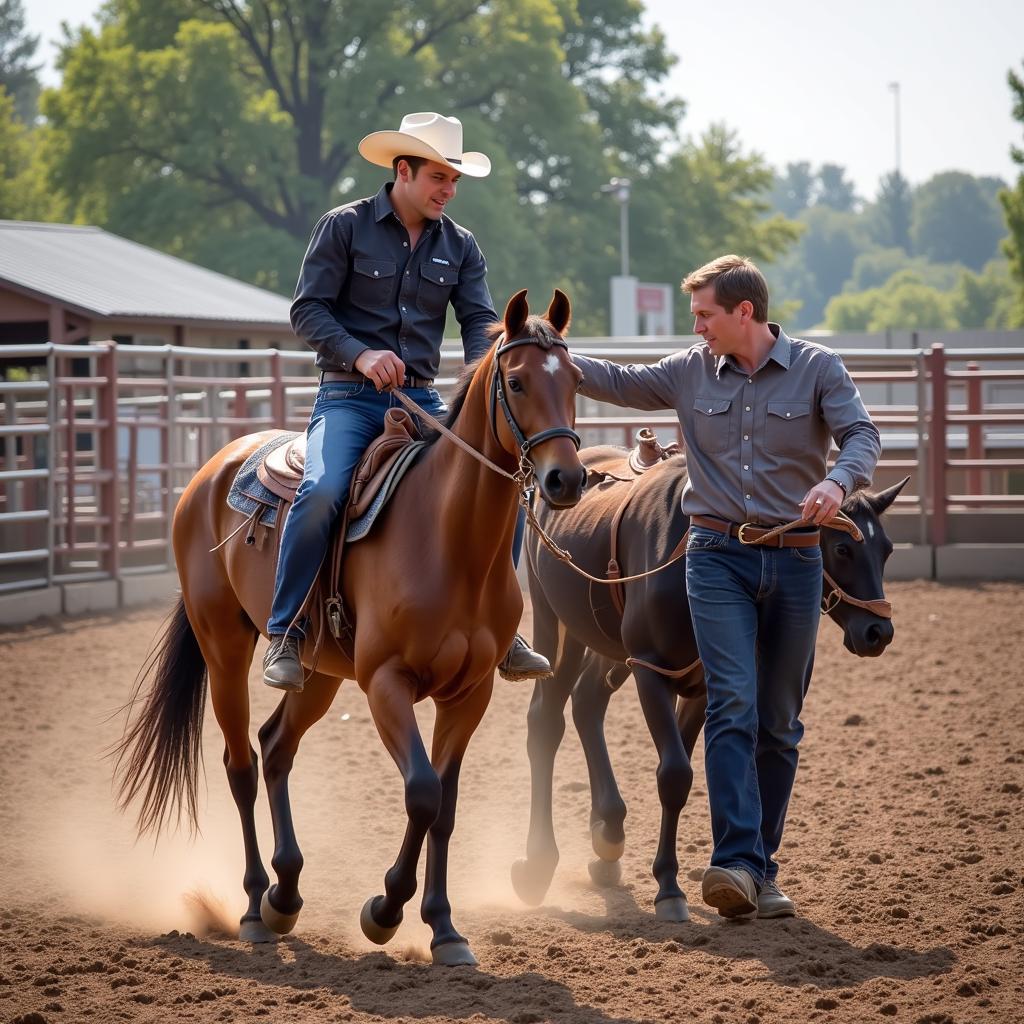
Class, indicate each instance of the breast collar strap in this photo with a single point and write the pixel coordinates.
(498, 398)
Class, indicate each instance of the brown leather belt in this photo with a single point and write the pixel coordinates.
(410, 381)
(750, 534)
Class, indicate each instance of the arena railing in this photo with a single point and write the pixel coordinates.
(100, 440)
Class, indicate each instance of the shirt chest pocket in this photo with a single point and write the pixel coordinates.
(711, 424)
(787, 429)
(372, 282)
(435, 288)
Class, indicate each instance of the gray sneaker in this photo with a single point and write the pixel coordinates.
(731, 891)
(773, 902)
(523, 662)
(282, 667)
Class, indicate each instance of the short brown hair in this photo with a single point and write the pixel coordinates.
(414, 162)
(735, 279)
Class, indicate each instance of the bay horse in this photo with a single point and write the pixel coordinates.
(437, 629)
(580, 630)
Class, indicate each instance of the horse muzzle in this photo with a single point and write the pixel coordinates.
(867, 636)
(561, 486)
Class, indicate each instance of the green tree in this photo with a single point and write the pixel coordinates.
(18, 75)
(834, 189)
(904, 302)
(221, 131)
(1012, 200)
(890, 215)
(984, 300)
(956, 218)
(793, 189)
(706, 199)
(23, 193)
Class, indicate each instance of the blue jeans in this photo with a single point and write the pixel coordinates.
(346, 418)
(755, 614)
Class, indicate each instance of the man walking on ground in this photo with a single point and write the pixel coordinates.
(757, 411)
(371, 299)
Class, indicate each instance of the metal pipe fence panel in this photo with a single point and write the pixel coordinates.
(98, 441)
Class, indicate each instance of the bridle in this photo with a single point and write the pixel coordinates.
(524, 474)
(497, 397)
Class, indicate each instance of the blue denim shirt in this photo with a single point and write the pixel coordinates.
(361, 287)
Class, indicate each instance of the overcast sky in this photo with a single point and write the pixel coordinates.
(809, 79)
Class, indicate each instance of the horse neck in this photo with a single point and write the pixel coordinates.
(474, 498)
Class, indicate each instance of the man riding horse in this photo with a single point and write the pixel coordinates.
(757, 411)
(371, 299)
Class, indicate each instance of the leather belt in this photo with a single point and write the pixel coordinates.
(410, 380)
(749, 534)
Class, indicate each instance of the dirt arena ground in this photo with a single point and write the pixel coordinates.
(904, 850)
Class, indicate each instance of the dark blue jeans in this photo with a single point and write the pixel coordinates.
(346, 417)
(755, 616)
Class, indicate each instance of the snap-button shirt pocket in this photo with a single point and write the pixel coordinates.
(787, 429)
(372, 282)
(711, 424)
(435, 288)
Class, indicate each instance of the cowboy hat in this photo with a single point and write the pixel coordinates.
(428, 135)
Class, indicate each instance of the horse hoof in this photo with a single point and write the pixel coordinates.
(531, 886)
(453, 954)
(605, 873)
(274, 919)
(256, 931)
(373, 931)
(604, 848)
(672, 908)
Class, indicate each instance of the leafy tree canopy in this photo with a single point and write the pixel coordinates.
(1012, 200)
(956, 217)
(18, 75)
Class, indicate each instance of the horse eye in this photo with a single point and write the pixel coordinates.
(843, 550)
(515, 385)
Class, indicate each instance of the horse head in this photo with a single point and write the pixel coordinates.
(852, 589)
(534, 386)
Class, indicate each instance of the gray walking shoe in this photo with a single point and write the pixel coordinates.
(773, 902)
(731, 891)
(282, 667)
(523, 662)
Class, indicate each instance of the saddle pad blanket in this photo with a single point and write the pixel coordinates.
(247, 493)
(359, 528)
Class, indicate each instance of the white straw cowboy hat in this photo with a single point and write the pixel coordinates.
(429, 135)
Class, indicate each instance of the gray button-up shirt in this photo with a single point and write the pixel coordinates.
(362, 287)
(755, 442)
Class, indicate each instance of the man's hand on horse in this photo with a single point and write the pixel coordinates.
(384, 370)
(821, 502)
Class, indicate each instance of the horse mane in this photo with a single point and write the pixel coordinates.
(536, 327)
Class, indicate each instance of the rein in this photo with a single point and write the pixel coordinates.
(523, 476)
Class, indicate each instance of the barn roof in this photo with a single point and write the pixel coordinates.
(103, 275)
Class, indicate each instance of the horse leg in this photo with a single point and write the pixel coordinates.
(690, 713)
(599, 679)
(279, 741)
(545, 721)
(674, 779)
(391, 698)
(227, 640)
(455, 724)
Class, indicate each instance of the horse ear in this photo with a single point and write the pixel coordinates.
(881, 501)
(516, 313)
(559, 312)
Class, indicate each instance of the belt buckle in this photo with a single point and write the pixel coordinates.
(739, 533)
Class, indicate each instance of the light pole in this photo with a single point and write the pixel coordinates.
(619, 188)
(894, 87)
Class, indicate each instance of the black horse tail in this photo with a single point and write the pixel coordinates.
(159, 757)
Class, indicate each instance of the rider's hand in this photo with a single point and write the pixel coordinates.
(821, 502)
(384, 370)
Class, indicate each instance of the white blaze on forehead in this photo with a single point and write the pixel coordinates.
(871, 529)
(551, 364)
